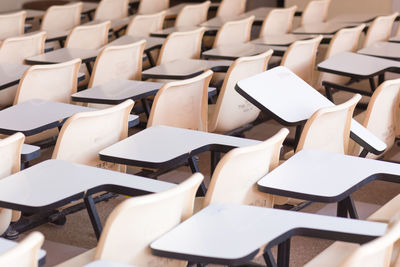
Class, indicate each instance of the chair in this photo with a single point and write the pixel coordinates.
(89, 36)
(380, 29)
(84, 134)
(232, 110)
(135, 223)
(62, 18)
(111, 9)
(25, 254)
(118, 62)
(300, 58)
(182, 104)
(278, 21)
(231, 8)
(12, 25)
(316, 11)
(192, 15)
(181, 45)
(143, 25)
(152, 6)
(234, 32)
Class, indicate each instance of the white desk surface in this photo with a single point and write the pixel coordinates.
(232, 52)
(259, 13)
(107, 263)
(281, 39)
(151, 42)
(217, 22)
(326, 28)
(395, 39)
(6, 245)
(356, 18)
(160, 145)
(10, 74)
(185, 68)
(389, 50)
(116, 24)
(49, 183)
(165, 32)
(29, 152)
(56, 35)
(357, 65)
(268, 90)
(63, 55)
(234, 234)
(89, 7)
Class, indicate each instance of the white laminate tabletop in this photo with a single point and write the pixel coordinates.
(217, 22)
(269, 90)
(326, 28)
(10, 74)
(259, 13)
(160, 145)
(6, 245)
(395, 39)
(63, 55)
(115, 23)
(89, 7)
(107, 263)
(356, 18)
(151, 42)
(281, 39)
(232, 52)
(51, 182)
(56, 35)
(234, 234)
(389, 50)
(165, 32)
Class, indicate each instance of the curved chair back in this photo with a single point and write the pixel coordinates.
(192, 15)
(380, 29)
(85, 134)
(12, 24)
(55, 82)
(231, 8)
(181, 45)
(232, 110)
(234, 32)
(316, 11)
(328, 129)
(143, 25)
(62, 18)
(25, 254)
(278, 21)
(236, 175)
(111, 9)
(300, 58)
(182, 104)
(152, 6)
(89, 36)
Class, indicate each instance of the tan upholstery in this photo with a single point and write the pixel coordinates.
(152, 6)
(278, 21)
(192, 15)
(143, 25)
(89, 36)
(380, 29)
(231, 8)
(111, 9)
(12, 24)
(62, 18)
(234, 32)
(316, 11)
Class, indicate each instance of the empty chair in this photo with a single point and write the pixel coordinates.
(234, 32)
(278, 21)
(12, 25)
(111, 9)
(232, 110)
(152, 6)
(182, 103)
(62, 18)
(380, 29)
(316, 11)
(127, 234)
(89, 36)
(143, 25)
(300, 58)
(231, 8)
(25, 254)
(192, 15)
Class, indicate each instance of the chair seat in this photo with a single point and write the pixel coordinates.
(334, 255)
(387, 211)
(80, 260)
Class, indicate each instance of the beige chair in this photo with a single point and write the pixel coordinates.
(380, 29)
(231, 8)
(192, 15)
(300, 58)
(62, 18)
(111, 9)
(182, 104)
(278, 21)
(316, 11)
(89, 36)
(143, 25)
(152, 6)
(234, 32)
(25, 254)
(181, 45)
(135, 223)
(232, 110)
(12, 25)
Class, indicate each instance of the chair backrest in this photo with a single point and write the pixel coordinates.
(232, 110)
(192, 15)
(234, 32)
(316, 11)
(300, 58)
(182, 104)
(236, 175)
(181, 45)
(62, 18)
(152, 6)
(328, 129)
(278, 21)
(143, 25)
(85, 134)
(231, 8)
(12, 25)
(118, 62)
(17, 49)
(380, 29)
(25, 254)
(89, 36)
(135, 223)
(111, 9)
(55, 82)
